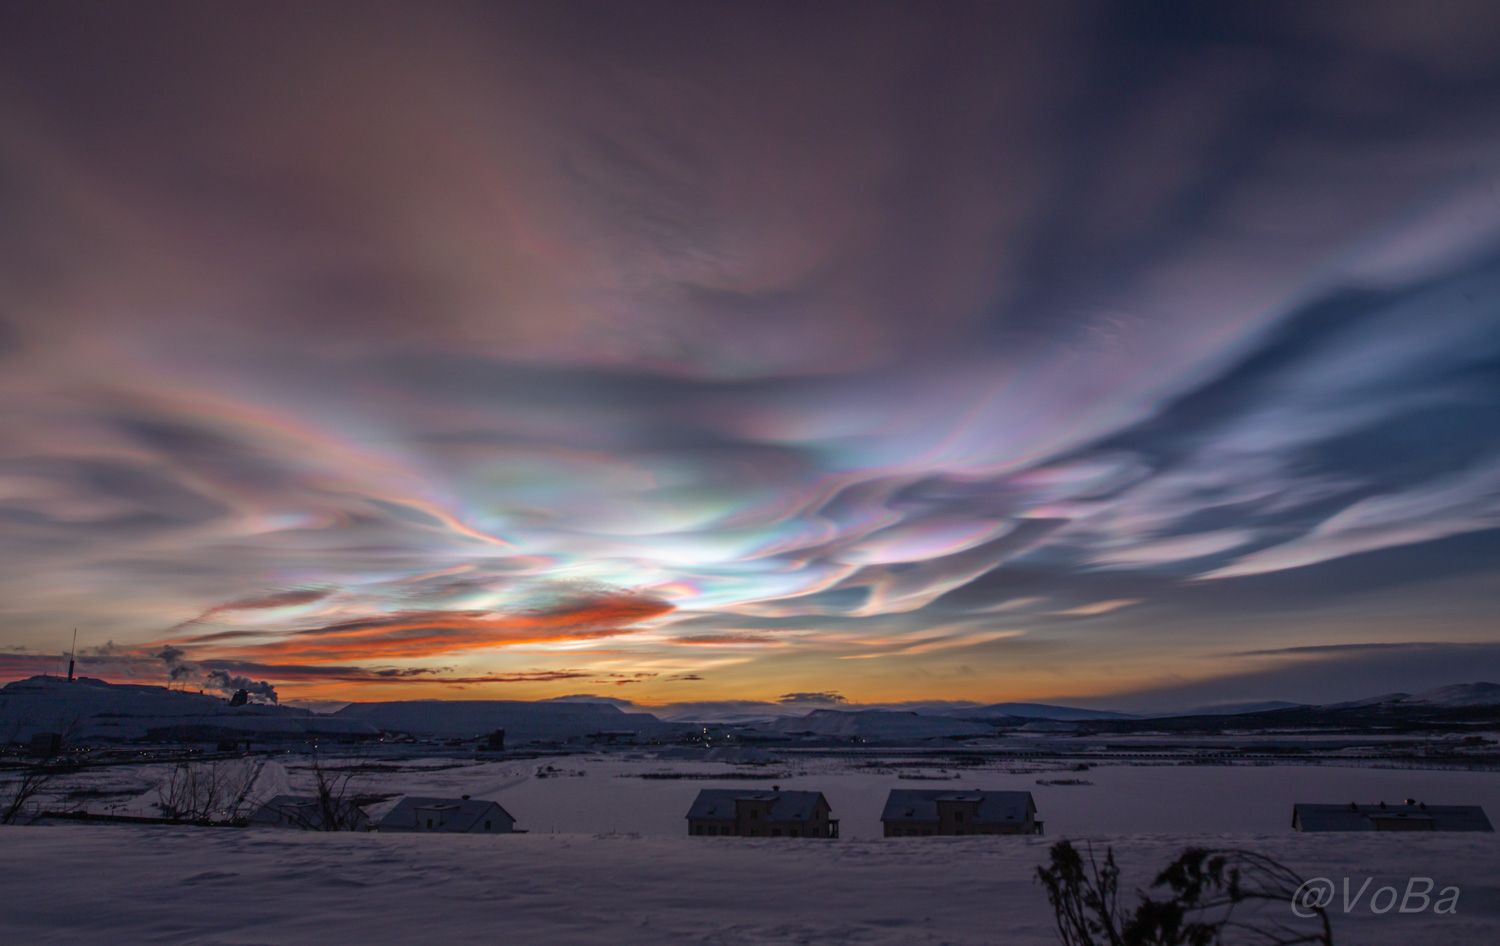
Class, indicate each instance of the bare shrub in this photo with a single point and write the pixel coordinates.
(206, 791)
(1213, 895)
(18, 793)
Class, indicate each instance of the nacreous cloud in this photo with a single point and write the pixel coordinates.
(701, 348)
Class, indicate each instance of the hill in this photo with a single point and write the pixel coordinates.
(94, 709)
(550, 721)
(1039, 711)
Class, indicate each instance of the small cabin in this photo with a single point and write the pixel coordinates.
(759, 814)
(306, 813)
(1410, 815)
(924, 813)
(449, 816)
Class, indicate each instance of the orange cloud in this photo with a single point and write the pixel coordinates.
(413, 634)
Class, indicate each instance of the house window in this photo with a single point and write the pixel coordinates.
(486, 826)
(958, 817)
(429, 822)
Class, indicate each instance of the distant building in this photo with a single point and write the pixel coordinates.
(448, 815)
(306, 813)
(495, 741)
(761, 814)
(1411, 815)
(925, 812)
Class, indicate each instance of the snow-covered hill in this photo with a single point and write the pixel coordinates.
(1235, 709)
(93, 709)
(1455, 695)
(1461, 694)
(523, 722)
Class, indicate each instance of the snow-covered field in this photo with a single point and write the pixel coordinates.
(606, 793)
(74, 884)
(607, 859)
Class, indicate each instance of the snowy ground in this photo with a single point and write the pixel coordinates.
(607, 859)
(92, 884)
(611, 796)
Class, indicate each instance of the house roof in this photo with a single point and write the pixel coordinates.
(719, 804)
(1354, 817)
(921, 805)
(459, 814)
(302, 808)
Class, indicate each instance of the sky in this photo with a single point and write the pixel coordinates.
(1123, 354)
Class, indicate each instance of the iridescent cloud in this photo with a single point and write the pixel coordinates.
(698, 349)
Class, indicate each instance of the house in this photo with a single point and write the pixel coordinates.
(307, 813)
(761, 814)
(925, 812)
(1411, 815)
(449, 815)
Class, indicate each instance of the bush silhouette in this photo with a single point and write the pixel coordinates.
(1214, 897)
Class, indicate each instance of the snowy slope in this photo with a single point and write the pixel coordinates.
(1461, 694)
(523, 722)
(1455, 695)
(76, 884)
(94, 709)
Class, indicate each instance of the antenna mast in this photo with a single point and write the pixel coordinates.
(73, 654)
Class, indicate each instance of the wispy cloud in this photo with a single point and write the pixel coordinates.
(662, 358)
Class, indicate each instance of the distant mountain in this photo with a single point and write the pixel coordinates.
(876, 725)
(1235, 709)
(1457, 695)
(548, 721)
(1380, 700)
(93, 709)
(1461, 694)
(1038, 711)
